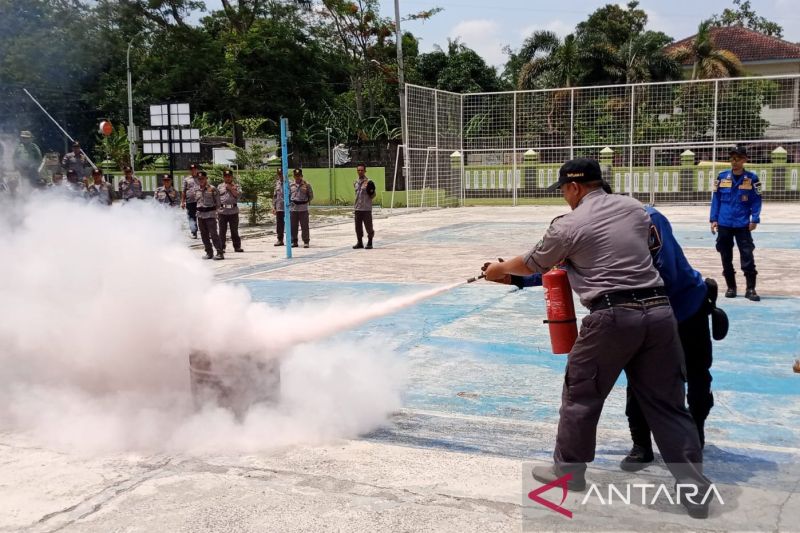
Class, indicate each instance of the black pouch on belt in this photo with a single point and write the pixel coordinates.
(719, 319)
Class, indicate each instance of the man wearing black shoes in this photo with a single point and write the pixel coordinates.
(365, 193)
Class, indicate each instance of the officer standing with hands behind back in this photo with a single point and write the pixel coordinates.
(229, 211)
(604, 243)
(300, 195)
(735, 213)
(207, 200)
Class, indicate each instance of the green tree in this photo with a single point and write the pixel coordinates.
(459, 69)
(643, 59)
(533, 47)
(743, 15)
(613, 24)
(563, 66)
(708, 61)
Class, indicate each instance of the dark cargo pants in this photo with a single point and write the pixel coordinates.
(744, 241)
(695, 339)
(208, 231)
(233, 222)
(280, 225)
(191, 214)
(643, 342)
(364, 221)
(300, 218)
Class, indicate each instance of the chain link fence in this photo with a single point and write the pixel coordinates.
(661, 142)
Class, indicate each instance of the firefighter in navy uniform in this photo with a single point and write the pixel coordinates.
(735, 213)
(631, 327)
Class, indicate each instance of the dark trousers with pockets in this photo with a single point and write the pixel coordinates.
(644, 342)
(364, 221)
(208, 232)
(300, 218)
(744, 241)
(191, 214)
(280, 225)
(233, 222)
(695, 337)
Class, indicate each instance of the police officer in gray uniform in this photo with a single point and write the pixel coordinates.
(604, 244)
(188, 195)
(166, 195)
(365, 193)
(130, 187)
(207, 199)
(99, 191)
(229, 211)
(300, 194)
(76, 161)
(278, 209)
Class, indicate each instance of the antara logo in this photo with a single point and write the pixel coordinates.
(650, 494)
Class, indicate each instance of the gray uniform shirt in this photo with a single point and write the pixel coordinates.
(299, 197)
(74, 162)
(99, 193)
(166, 196)
(130, 189)
(604, 242)
(190, 187)
(363, 196)
(207, 202)
(277, 196)
(228, 196)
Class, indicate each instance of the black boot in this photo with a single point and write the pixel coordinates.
(219, 257)
(730, 280)
(750, 292)
(279, 243)
(639, 457)
(369, 244)
(358, 245)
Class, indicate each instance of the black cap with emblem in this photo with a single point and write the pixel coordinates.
(581, 170)
(738, 150)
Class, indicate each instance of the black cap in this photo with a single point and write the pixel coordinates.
(193, 166)
(76, 144)
(126, 168)
(227, 173)
(738, 150)
(298, 171)
(579, 170)
(202, 174)
(71, 172)
(165, 177)
(97, 172)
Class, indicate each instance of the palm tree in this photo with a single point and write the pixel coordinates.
(708, 61)
(563, 64)
(642, 59)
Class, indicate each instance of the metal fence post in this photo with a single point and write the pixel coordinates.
(436, 141)
(572, 123)
(461, 143)
(715, 123)
(514, 153)
(630, 138)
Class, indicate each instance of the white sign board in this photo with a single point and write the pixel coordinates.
(224, 156)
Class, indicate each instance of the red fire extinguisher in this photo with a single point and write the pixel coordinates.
(560, 310)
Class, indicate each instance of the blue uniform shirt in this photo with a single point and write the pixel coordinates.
(685, 286)
(736, 200)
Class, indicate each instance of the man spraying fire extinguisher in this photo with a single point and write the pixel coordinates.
(604, 243)
(692, 299)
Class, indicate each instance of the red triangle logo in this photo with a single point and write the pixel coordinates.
(560, 482)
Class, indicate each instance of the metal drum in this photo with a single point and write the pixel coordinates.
(233, 382)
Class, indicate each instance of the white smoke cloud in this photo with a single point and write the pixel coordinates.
(99, 309)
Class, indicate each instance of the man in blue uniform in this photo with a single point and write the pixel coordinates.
(692, 300)
(735, 213)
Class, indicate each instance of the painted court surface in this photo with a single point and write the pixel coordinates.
(482, 397)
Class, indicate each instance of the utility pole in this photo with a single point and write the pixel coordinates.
(131, 127)
(401, 79)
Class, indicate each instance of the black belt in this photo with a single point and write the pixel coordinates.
(637, 298)
(206, 209)
(295, 202)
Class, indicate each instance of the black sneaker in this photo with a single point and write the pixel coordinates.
(358, 245)
(368, 246)
(279, 243)
(219, 256)
(638, 458)
(294, 245)
(548, 474)
(194, 235)
(306, 245)
(208, 256)
(731, 292)
(238, 250)
(695, 510)
(752, 295)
